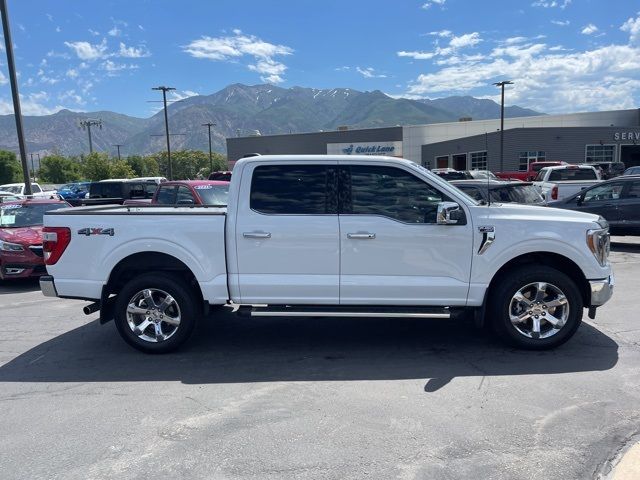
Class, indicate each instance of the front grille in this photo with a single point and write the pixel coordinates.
(37, 250)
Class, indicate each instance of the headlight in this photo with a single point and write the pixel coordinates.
(10, 247)
(599, 244)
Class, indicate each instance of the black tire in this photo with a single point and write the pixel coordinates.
(500, 304)
(187, 308)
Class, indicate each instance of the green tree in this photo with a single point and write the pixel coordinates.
(58, 169)
(143, 166)
(121, 169)
(189, 164)
(10, 169)
(96, 166)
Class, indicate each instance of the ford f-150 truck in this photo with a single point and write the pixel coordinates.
(556, 183)
(350, 236)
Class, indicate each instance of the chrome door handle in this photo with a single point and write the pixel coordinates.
(256, 235)
(361, 236)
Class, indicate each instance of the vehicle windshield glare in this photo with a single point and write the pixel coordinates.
(18, 215)
(12, 189)
(516, 194)
(213, 194)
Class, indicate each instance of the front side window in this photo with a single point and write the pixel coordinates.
(389, 192)
(294, 190)
(613, 191)
(185, 197)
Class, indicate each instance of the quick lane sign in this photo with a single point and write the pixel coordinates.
(391, 149)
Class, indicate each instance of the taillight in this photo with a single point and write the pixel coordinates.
(54, 243)
(554, 192)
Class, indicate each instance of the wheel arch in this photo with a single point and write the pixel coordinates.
(549, 259)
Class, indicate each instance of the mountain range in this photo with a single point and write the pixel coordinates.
(241, 110)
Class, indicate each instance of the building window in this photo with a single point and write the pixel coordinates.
(478, 160)
(600, 153)
(529, 157)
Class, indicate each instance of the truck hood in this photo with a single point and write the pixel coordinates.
(22, 235)
(514, 211)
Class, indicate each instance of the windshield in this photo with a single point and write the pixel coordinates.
(12, 189)
(213, 194)
(25, 215)
(516, 194)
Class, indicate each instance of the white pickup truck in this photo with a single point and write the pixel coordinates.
(562, 181)
(36, 191)
(350, 236)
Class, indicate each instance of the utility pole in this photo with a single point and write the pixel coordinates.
(17, 112)
(209, 125)
(118, 145)
(33, 170)
(88, 124)
(166, 124)
(502, 84)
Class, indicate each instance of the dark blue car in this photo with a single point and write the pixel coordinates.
(74, 190)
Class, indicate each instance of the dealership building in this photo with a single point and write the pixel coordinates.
(467, 144)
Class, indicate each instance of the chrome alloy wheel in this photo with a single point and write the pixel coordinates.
(153, 315)
(539, 310)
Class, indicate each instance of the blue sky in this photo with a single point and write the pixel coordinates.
(563, 55)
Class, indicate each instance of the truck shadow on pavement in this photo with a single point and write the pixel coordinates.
(19, 285)
(625, 247)
(228, 349)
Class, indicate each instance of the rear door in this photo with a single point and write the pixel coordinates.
(286, 233)
(392, 250)
(629, 208)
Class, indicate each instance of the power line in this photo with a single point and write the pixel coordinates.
(164, 91)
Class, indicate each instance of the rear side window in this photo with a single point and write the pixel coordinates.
(35, 188)
(185, 197)
(294, 190)
(166, 195)
(572, 174)
(106, 190)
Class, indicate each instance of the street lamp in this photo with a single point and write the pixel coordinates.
(164, 91)
(209, 125)
(501, 85)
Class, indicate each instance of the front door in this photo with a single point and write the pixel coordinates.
(286, 234)
(392, 250)
(603, 200)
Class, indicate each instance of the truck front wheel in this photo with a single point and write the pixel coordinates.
(155, 313)
(535, 307)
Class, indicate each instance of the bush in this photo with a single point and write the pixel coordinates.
(58, 169)
(10, 169)
(189, 164)
(96, 166)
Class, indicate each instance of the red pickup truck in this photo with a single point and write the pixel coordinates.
(530, 174)
(187, 192)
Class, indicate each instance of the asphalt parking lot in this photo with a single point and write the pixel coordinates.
(316, 398)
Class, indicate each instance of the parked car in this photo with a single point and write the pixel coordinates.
(157, 180)
(21, 253)
(608, 170)
(617, 200)
(336, 236)
(500, 191)
(74, 190)
(556, 183)
(188, 192)
(632, 171)
(451, 174)
(483, 174)
(113, 191)
(8, 197)
(18, 189)
(223, 176)
(530, 173)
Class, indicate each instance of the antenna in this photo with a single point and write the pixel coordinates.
(486, 152)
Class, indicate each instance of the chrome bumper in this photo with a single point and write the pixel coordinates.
(601, 290)
(47, 286)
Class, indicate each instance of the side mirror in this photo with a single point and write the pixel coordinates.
(580, 199)
(450, 213)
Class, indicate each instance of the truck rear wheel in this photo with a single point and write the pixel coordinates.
(535, 308)
(156, 313)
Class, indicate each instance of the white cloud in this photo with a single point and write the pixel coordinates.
(58, 29)
(234, 47)
(31, 104)
(369, 72)
(95, 33)
(133, 52)
(88, 51)
(430, 3)
(181, 95)
(72, 73)
(114, 68)
(589, 29)
(561, 23)
(550, 81)
(140, 27)
(442, 33)
(342, 69)
(552, 4)
(456, 43)
(3, 80)
(633, 27)
(114, 32)
(71, 95)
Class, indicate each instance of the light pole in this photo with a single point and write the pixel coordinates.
(166, 124)
(33, 170)
(118, 145)
(88, 123)
(502, 84)
(17, 112)
(209, 125)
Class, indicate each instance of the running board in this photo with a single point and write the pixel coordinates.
(367, 312)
